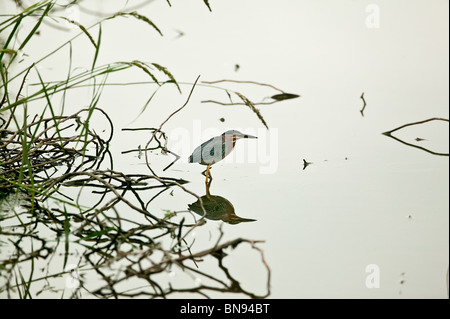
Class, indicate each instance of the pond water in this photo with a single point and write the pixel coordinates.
(368, 217)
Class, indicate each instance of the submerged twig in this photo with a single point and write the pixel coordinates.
(164, 122)
(389, 134)
(364, 106)
(246, 101)
(244, 82)
(306, 164)
(237, 103)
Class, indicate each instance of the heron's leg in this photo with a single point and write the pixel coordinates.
(208, 181)
(208, 174)
(208, 185)
(208, 170)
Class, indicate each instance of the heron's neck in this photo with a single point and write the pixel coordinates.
(229, 139)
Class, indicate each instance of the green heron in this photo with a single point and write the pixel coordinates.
(215, 149)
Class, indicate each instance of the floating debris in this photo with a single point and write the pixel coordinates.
(402, 278)
(284, 96)
(305, 164)
(402, 281)
(179, 34)
(364, 106)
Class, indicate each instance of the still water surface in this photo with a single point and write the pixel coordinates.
(365, 201)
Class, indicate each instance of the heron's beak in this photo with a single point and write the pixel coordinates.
(248, 136)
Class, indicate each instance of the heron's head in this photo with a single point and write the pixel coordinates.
(237, 135)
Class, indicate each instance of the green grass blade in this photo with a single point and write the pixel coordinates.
(36, 26)
(22, 132)
(16, 26)
(252, 107)
(33, 31)
(63, 102)
(4, 78)
(25, 149)
(66, 236)
(147, 103)
(30, 279)
(97, 47)
(143, 67)
(92, 106)
(8, 51)
(51, 108)
(139, 17)
(97, 233)
(83, 29)
(166, 72)
(21, 15)
(26, 285)
(18, 285)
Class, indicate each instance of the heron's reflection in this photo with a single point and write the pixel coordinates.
(217, 208)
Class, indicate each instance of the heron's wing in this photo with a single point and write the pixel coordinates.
(196, 156)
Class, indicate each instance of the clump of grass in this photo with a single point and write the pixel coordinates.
(58, 164)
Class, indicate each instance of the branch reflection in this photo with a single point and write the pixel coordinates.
(389, 134)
